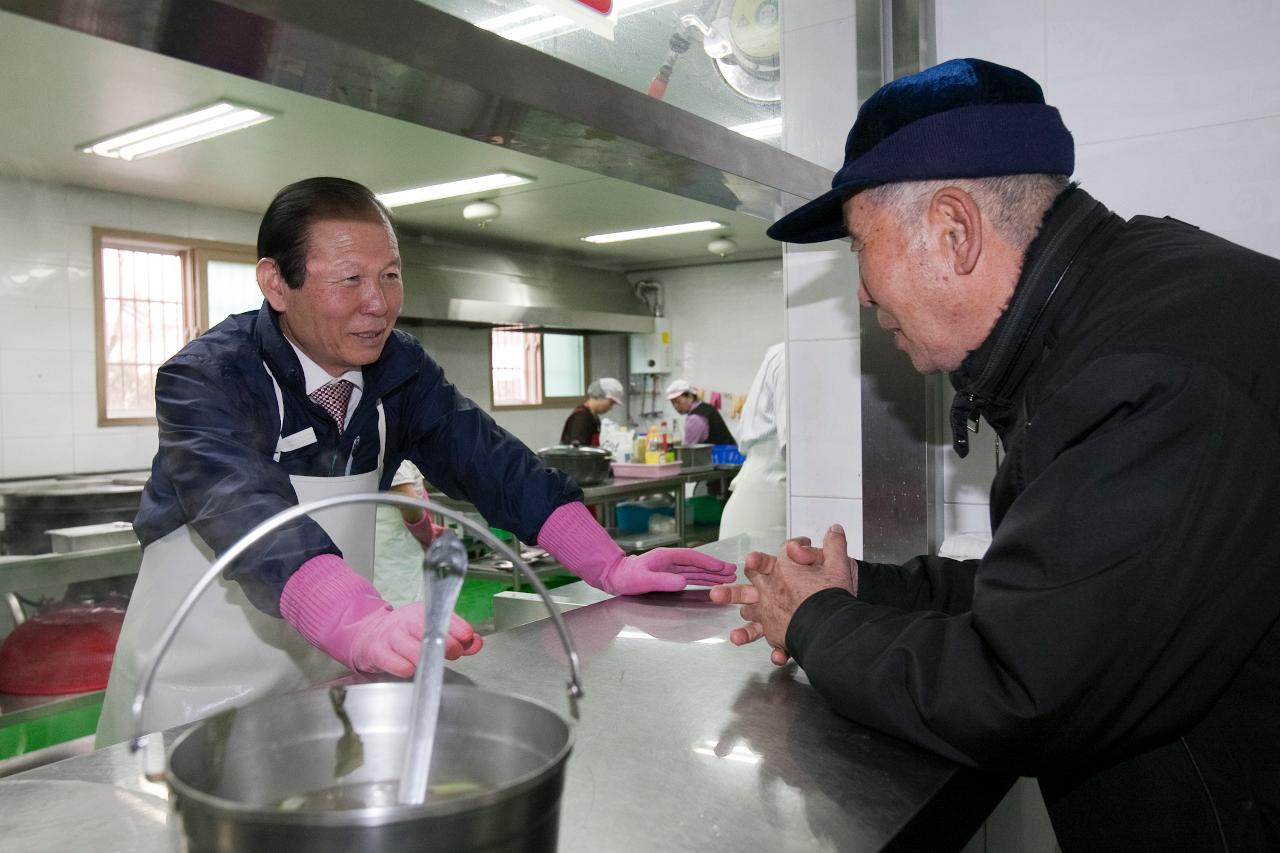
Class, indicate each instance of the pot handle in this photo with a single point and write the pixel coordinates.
(154, 756)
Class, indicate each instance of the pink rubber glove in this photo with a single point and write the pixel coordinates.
(573, 536)
(424, 530)
(339, 612)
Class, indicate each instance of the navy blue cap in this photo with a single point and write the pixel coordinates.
(966, 118)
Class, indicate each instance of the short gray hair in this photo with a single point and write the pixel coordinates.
(1014, 204)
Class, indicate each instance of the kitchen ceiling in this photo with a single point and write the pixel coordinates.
(63, 88)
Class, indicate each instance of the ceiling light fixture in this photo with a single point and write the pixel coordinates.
(183, 129)
(722, 246)
(658, 231)
(481, 212)
(453, 189)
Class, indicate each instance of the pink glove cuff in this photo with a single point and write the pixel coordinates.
(572, 535)
(424, 530)
(325, 599)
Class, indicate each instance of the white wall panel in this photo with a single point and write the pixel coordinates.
(1010, 32)
(965, 518)
(1140, 67)
(798, 14)
(822, 292)
(98, 208)
(812, 516)
(825, 450)
(155, 216)
(819, 98)
(36, 372)
(35, 415)
(227, 226)
(34, 327)
(45, 456)
(104, 449)
(1224, 179)
(34, 283)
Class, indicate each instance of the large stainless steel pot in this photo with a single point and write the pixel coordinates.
(231, 775)
(319, 770)
(586, 465)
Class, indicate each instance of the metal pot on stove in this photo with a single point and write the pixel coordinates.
(586, 465)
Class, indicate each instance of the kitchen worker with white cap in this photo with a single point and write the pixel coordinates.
(583, 424)
(318, 394)
(702, 423)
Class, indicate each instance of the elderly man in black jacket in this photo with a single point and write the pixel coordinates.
(1120, 640)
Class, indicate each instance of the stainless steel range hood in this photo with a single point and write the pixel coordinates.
(470, 285)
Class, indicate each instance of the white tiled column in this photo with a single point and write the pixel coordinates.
(819, 87)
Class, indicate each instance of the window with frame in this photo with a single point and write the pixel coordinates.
(531, 369)
(153, 295)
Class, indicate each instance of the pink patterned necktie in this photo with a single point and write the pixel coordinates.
(333, 398)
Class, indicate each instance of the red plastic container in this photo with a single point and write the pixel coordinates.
(65, 648)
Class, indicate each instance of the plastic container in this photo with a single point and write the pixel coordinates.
(703, 509)
(726, 454)
(633, 516)
(634, 471)
(653, 451)
(694, 455)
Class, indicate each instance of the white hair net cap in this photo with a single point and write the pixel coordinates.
(678, 387)
(608, 388)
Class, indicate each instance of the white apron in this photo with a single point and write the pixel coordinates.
(227, 653)
(398, 559)
(759, 492)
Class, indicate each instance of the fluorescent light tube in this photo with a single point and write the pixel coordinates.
(659, 231)
(452, 189)
(173, 132)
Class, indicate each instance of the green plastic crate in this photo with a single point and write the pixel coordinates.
(703, 509)
(39, 727)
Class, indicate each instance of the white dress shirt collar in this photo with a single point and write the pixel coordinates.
(315, 377)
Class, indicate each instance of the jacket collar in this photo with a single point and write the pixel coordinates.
(394, 366)
(989, 380)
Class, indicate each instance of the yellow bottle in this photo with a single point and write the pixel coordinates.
(653, 451)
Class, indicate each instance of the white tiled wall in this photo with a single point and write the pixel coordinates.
(819, 104)
(723, 318)
(48, 391)
(1175, 108)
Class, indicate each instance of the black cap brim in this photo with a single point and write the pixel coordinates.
(819, 220)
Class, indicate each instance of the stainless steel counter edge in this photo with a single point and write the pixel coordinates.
(688, 743)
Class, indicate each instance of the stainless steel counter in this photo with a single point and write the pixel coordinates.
(688, 743)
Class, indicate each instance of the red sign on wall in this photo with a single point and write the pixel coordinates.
(598, 16)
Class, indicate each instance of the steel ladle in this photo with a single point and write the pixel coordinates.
(444, 566)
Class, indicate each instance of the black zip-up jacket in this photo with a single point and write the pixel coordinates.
(1120, 639)
(220, 424)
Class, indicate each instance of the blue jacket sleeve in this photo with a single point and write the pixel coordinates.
(461, 450)
(218, 433)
